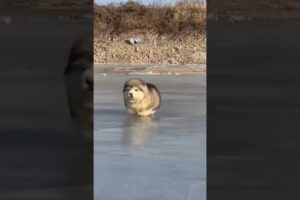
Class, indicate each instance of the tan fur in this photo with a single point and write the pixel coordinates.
(145, 99)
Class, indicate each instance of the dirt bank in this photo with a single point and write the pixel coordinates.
(169, 34)
(150, 69)
(154, 48)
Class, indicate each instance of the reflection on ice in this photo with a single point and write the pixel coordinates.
(140, 130)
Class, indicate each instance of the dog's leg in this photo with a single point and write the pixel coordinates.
(145, 113)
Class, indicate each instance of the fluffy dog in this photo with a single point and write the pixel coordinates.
(141, 98)
(79, 84)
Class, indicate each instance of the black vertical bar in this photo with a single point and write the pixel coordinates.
(42, 156)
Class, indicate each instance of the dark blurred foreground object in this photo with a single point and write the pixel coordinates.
(79, 79)
(253, 101)
(40, 156)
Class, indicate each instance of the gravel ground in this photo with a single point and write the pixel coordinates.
(153, 49)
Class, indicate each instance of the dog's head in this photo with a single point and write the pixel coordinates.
(80, 66)
(79, 85)
(134, 90)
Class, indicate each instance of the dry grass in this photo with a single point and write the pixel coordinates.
(186, 17)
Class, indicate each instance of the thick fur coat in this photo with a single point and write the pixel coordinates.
(141, 98)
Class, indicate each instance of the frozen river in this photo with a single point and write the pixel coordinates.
(150, 159)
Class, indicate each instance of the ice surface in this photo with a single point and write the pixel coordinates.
(150, 159)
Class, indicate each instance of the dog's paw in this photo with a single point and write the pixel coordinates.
(145, 114)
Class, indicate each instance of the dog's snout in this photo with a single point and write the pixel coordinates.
(130, 94)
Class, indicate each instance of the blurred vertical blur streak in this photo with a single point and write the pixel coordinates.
(41, 157)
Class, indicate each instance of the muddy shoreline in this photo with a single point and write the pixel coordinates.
(151, 69)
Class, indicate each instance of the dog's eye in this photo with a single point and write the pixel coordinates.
(136, 90)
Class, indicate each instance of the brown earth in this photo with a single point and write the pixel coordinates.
(155, 49)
